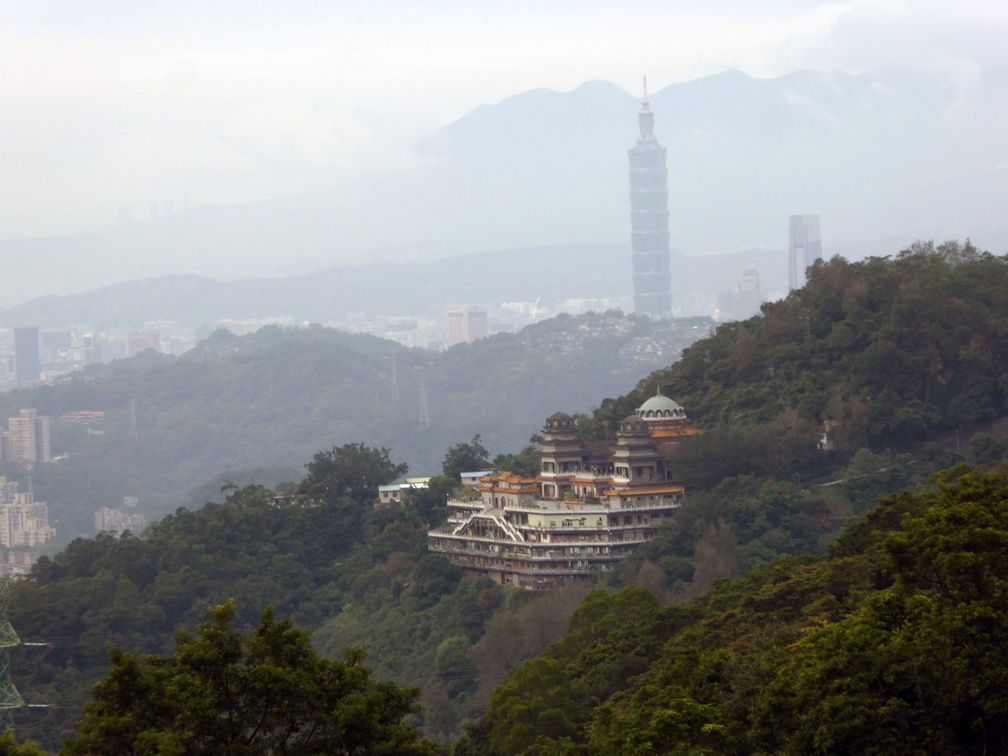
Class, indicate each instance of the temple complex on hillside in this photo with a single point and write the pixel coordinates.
(590, 505)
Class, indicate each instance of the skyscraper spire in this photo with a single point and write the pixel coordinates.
(646, 120)
(649, 220)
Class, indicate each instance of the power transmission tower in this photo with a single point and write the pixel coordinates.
(10, 699)
(134, 432)
(422, 390)
(395, 381)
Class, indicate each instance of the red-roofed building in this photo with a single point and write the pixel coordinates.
(590, 505)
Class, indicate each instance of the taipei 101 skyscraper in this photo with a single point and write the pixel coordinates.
(649, 220)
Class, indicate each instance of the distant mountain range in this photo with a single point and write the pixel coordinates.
(548, 274)
(878, 157)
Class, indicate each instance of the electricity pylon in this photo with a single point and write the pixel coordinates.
(10, 699)
(422, 390)
(395, 381)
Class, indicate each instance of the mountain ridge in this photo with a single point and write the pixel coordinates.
(541, 169)
(382, 288)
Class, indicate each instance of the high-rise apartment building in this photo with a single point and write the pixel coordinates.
(745, 301)
(27, 357)
(8, 490)
(27, 439)
(804, 248)
(141, 341)
(649, 220)
(467, 324)
(24, 521)
(109, 520)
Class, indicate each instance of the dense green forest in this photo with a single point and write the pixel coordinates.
(253, 409)
(761, 488)
(318, 553)
(903, 363)
(256, 548)
(224, 692)
(891, 643)
(886, 353)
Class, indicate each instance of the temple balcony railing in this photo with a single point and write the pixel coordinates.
(565, 507)
(517, 565)
(546, 552)
(461, 558)
(581, 535)
(557, 534)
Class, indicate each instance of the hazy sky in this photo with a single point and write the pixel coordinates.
(125, 103)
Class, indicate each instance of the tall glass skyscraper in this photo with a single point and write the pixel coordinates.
(649, 220)
(804, 248)
(27, 358)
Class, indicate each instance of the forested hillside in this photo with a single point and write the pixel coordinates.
(875, 648)
(867, 380)
(301, 554)
(318, 553)
(661, 665)
(885, 353)
(892, 643)
(268, 401)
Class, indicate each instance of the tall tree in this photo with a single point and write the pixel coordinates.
(228, 694)
(352, 470)
(466, 457)
(431, 500)
(8, 747)
(524, 463)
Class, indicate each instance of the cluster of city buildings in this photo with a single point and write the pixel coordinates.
(24, 525)
(119, 521)
(24, 522)
(30, 355)
(33, 355)
(590, 505)
(463, 325)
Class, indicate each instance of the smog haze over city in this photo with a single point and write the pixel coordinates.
(361, 133)
(348, 322)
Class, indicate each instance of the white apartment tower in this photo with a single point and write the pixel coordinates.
(27, 439)
(23, 521)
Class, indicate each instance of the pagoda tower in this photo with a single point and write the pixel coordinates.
(649, 220)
